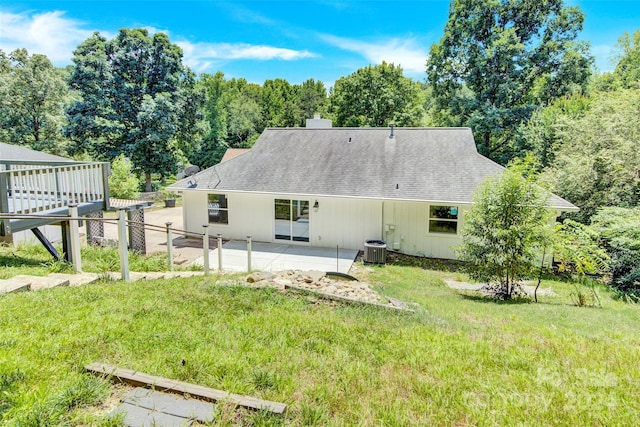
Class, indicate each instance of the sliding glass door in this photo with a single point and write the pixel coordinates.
(291, 220)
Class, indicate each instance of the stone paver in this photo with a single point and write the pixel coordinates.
(144, 407)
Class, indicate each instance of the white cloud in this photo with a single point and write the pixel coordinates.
(201, 56)
(406, 52)
(48, 33)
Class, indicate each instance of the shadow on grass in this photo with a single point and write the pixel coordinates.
(19, 261)
(438, 264)
(496, 300)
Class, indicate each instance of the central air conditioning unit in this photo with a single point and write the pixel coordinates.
(375, 252)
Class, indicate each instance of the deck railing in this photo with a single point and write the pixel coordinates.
(29, 187)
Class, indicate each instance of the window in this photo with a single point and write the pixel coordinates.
(443, 219)
(218, 209)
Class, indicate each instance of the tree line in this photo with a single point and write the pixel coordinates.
(516, 72)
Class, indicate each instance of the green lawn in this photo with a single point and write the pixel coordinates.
(32, 259)
(458, 360)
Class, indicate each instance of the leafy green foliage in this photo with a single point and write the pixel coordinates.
(123, 184)
(505, 229)
(597, 156)
(32, 97)
(137, 99)
(377, 96)
(576, 248)
(238, 111)
(619, 230)
(628, 67)
(500, 59)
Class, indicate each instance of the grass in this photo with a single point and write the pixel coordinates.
(458, 360)
(34, 260)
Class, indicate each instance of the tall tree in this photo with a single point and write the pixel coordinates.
(312, 98)
(597, 155)
(32, 97)
(499, 59)
(137, 97)
(377, 96)
(628, 67)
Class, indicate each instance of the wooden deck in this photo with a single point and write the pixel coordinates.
(42, 189)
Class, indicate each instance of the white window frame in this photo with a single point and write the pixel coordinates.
(211, 207)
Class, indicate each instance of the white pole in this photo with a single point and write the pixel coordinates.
(122, 246)
(169, 245)
(74, 229)
(205, 247)
(219, 252)
(249, 254)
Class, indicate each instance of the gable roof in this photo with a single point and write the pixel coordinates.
(233, 152)
(18, 153)
(425, 164)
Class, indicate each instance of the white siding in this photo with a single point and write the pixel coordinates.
(345, 222)
(407, 230)
(338, 221)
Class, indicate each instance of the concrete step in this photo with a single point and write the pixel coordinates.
(77, 279)
(23, 282)
(10, 286)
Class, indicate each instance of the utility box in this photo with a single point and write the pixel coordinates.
(375, 252)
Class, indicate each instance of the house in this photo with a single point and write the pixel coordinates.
(327, 187)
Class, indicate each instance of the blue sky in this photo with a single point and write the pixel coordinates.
(260, 40)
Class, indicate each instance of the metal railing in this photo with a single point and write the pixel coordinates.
(122, 223)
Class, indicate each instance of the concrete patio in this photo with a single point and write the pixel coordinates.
(264, 256)
(280, 257)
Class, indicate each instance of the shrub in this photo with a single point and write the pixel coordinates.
(619, 231)
(122, 183)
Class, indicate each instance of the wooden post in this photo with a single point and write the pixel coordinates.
(5, 229)
(205, 248)
(106, 171)
(122, 246)
(248, 254)
(74, 227)
(219, 252)
(169, 245)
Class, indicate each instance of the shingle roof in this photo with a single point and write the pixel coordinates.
(16, 152)
(427, 164)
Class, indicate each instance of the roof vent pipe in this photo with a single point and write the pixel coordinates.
(391, 134)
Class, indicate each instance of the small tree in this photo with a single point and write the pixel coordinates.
(122, 183)
(506, 229)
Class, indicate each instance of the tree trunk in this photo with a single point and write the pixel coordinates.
(147, 186)
(485, 144)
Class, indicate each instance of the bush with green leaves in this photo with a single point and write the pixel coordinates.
(619, 231)
(505, 229)
(123, 184)
(576, 249)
